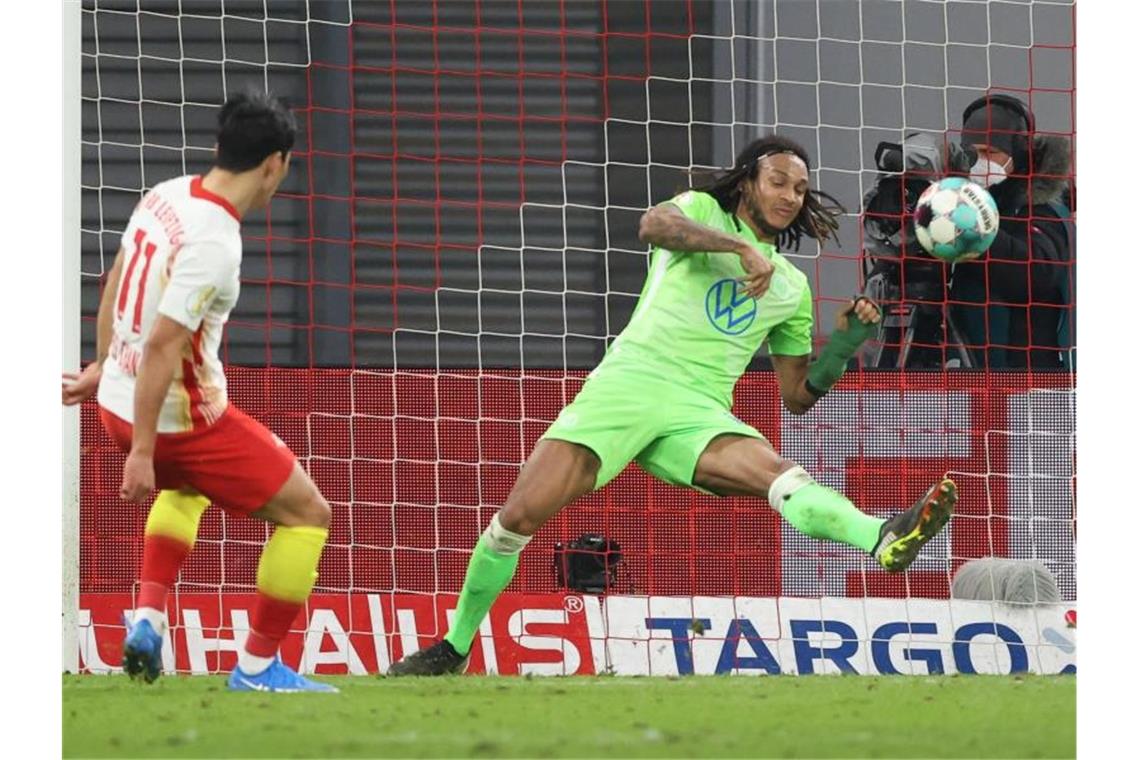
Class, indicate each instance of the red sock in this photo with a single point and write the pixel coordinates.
(271, 621)
(163, 557)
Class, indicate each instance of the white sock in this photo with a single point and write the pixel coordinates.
(786, 484)
(251, 664)
(503, 541)
(156, 618)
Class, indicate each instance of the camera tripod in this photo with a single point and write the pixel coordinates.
(914, 334)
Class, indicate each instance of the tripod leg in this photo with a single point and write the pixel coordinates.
(956, 335)
(877, 356)
(905, 343)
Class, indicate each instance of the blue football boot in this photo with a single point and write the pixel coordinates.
(142, 651)
(277, 677)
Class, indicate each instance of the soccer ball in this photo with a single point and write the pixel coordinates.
(955, 217)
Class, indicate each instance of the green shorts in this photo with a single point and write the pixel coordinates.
(624, 416)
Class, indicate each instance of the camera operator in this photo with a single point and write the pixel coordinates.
(899, 274)
(1010, 307)
(1014, 303)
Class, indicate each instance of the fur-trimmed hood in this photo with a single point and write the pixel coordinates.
(1052, 159)
(1052, 167)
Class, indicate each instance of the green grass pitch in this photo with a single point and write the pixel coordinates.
(709, 716)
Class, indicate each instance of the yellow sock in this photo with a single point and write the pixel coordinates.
(288, 567)
(176, 514)
(171, 527)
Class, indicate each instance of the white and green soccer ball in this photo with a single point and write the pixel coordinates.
(955, 217)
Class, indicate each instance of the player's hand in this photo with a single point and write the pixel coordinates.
(79, 388)
(138, 477)
(864, 309)
(970, 256)
(758, 271)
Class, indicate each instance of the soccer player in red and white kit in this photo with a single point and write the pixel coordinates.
(162, 395)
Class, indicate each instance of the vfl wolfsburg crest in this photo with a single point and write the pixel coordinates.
(729, 308)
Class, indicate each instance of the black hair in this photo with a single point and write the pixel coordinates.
(252, 126)
(818, 217)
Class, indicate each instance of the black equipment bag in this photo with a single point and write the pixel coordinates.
(588, 563)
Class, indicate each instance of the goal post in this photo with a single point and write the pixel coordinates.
(72, 17)
(455, 248)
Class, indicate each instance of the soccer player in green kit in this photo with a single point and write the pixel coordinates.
(716, 290)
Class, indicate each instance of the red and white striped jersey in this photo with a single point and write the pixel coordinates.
(182, 257)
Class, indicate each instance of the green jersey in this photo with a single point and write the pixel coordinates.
(695, 325)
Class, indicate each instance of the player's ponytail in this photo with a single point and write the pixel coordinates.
(821, 212)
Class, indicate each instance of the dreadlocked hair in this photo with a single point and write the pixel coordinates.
(819, 215)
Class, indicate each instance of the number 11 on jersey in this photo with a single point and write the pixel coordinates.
(146, 251)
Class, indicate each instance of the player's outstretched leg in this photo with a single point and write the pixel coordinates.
(743, 466)
(285, 576)
(907, 532)
(555, 474)
(168, 538)
(821, 512)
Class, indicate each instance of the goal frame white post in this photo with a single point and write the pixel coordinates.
(72, 156)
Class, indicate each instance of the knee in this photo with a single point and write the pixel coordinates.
(778, 468)
(767, 473)
(515, 517)
(319, 513)
(313, 511)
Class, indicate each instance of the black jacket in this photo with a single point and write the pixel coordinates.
(1015, 303)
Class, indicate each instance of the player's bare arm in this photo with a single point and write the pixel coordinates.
(161, 354)
(666, 226)
(792, 371)
(791, 374)
(77, 388)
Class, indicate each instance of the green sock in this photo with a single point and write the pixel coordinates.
(821, 512)
(488, 573)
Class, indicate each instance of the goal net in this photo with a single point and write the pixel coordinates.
(451, 254)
